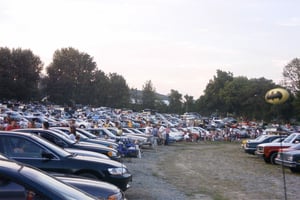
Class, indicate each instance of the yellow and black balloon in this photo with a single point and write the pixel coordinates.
(277, 96)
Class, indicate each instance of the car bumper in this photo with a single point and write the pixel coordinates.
(250, 150)
(121, 181)
(286, 163)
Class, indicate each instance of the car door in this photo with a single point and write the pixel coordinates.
(28, 151)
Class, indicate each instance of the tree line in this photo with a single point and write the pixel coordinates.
(73, 78)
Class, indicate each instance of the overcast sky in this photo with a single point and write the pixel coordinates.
(177, 44)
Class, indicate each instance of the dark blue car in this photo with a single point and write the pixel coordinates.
(38, 152)
(37, 184)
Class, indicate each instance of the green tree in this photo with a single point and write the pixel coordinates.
(161, 106)
(118, 92)
(148, 97)
(70, 77)
(100, 85)
(19, 74)
(175, 99)
(291, 80)
(291, 75)
(188, 103)
(211, 102)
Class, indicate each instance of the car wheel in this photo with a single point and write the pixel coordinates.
(82, 126)
(272, 158)
(89, 175)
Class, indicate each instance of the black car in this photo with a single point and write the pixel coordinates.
(38, 152)
(37, 184)
(99, 189)
(62, 139)
(251, 145)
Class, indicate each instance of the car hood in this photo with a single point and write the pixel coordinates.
(86, 153)
(101, 161)
(275, 144)
(294, 152)
(92, 145)
(80, 182)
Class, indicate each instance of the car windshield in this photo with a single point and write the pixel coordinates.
(261, 137)
(88, 134)
(289, 138)
(60, 188)
(52, 147)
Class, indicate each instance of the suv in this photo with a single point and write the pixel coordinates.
(269, 151)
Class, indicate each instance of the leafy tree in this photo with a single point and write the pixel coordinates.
(291, 75)
(149, 97)
(20, 74)
(161, 106)
(244, 97)
(100, 85)
(175, 99)
(296, 105)
(70, 77)
(211, 102)
(188, 103)
(118, 92)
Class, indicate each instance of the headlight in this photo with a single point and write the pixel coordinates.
(117, 171)
(115, 196)
(112, 154)
(289, 158)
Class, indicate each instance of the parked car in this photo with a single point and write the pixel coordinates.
(38, 152)
(105, 133)
(290, 159)
(140, 140)
(86, 153)
(251, 145)
(85, 136)
(61, 139)
(268, 151)
(14, 177)
(99, 189)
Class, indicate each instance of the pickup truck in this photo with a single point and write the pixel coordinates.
(268, 151)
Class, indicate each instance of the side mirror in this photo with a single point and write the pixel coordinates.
(47, 155)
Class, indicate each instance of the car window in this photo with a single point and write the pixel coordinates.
(10, 190)
(21, 147)
(297, 139)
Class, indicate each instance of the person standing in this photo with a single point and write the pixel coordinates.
(167, 131)
(161, 134)
(73, 135)
(46, 125)
(12, 125)
(107, 123)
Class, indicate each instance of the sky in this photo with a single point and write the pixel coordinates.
(177, 44)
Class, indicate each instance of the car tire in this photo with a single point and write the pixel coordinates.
(82, 126)
(272, 158)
